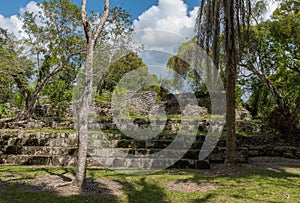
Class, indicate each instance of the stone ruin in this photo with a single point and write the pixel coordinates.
(20, 146)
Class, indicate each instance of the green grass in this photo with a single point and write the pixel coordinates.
(265, 185)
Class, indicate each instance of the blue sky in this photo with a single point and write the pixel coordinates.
(134, 7)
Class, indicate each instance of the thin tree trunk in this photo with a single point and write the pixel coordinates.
(83, 114)
(83, 118)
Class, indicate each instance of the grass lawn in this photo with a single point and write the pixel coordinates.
(280, 183)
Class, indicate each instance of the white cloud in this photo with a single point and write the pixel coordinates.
(271, 7)
(13, 24)
(172, 18)
(31, 6)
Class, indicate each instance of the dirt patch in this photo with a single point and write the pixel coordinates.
(189, 186)
(63, 185)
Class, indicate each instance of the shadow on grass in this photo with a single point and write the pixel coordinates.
(143, 191)
(207, 198)
(61, 175)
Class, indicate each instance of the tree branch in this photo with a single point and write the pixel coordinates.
(40, 86)
(103, 19)
(20, 85)
(268, 82)
(86, 24)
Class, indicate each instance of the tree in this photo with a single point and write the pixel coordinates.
(231, 66)
(115, 40)
(15, 68)
(184, 71)
(232, 17)
(52, 45)
(117, 70)
(7, 55)
(272, 56)
(92, 36)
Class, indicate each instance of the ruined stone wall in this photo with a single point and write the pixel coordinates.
(60, 148)
(20, 146)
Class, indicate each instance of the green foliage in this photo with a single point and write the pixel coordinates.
(259, 9)
(12, 63)
(6, 89)
(186, 77)
(138, 78)
(239, 93)
(117, 70)
(105, 96)
(3, 110)
(273, 49)
(51, 49)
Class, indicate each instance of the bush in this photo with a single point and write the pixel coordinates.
(4, 111)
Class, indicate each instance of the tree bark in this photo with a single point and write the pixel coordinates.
(230, 55)
(234, 16)
(84, 106)
(83, 115)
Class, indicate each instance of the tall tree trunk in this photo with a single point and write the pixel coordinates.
(83, 115)
(86, 99)
(230, 55)
(236, 13)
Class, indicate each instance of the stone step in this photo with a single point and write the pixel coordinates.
(132, 123)
(39, 151)
(122, 143)
(112, 163)
(44, 160)
(143, 153)
(218, 154)
(36, 160)
(53, 142)
(118, 135)
(37, 135)
(277, 151)
(151, 164)
(123, 127)
(155, 144)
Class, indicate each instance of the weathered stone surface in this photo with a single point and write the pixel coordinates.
(141, 102)
(243, 114)
(60, 148)
(195, 110)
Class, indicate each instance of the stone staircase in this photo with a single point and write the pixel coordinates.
(171, 147)
(116, 150)
(38, 148)
(108, 147)
(176, 143)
